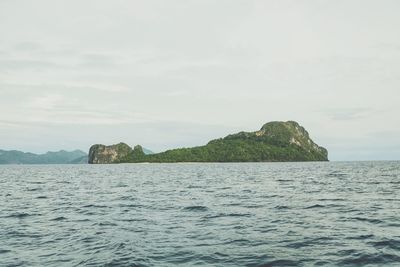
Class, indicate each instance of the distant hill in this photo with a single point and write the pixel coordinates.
(81, 160)
(147, 151)
(275, 141)
(60, 157)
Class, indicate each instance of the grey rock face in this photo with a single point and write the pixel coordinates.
(101, 154)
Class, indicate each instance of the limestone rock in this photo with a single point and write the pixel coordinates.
(101, 154)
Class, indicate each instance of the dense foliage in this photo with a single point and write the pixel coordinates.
(276, 141)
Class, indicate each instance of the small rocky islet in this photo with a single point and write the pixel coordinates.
(275, 142)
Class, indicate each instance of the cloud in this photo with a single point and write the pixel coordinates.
(28, 46)
(63, 110)
(351, 113)
(29, 64)
(47, 102)
(63, 86)
(97, 61)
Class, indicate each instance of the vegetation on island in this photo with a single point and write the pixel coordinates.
(275, 141)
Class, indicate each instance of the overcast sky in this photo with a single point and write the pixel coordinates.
(168, 74)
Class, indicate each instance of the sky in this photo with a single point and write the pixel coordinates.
(167, 74)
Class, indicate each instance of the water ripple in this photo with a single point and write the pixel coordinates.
(247, 214)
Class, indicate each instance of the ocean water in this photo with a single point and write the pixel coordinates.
(244, 214)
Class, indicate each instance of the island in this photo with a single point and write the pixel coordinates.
(275, 142)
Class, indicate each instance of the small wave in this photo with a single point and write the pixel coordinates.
(281, 207)
(388, 175)
(370, 220)
(336, 174)
(132, 220)
(331, 199)
(61, 218)
(393, 224)
(35, 182)
(279, 263)
(391, 243)
(309, 242)
(232, 204)
(363, 259)
(131, 206)
(63, 182)
(315, 206)
(88, 239)
(195, 186)
(127, 198)
(19, 215)
(41, 197)
(106, 224)
(360, 237)
(120, 185)
(237, 215)
(81, 220)
(3, 251)
(127, 261)
(47, 255)
(220, 215)
(195, 208)
(255, 206)
(224, 188)
(266, 229)
(238, 242)
(94, 206)
(22, 234)
(34, 189)
(299, 244)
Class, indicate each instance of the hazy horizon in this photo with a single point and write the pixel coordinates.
(180, 73)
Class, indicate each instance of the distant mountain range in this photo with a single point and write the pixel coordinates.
(60, 157)
(147, 151)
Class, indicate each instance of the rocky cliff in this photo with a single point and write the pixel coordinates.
(101, 154)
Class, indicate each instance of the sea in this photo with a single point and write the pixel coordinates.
(201, 214)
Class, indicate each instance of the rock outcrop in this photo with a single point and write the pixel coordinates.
(101, 154)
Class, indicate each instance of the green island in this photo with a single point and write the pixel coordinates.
(274, 142)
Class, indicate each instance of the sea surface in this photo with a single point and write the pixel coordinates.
(227, 214)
